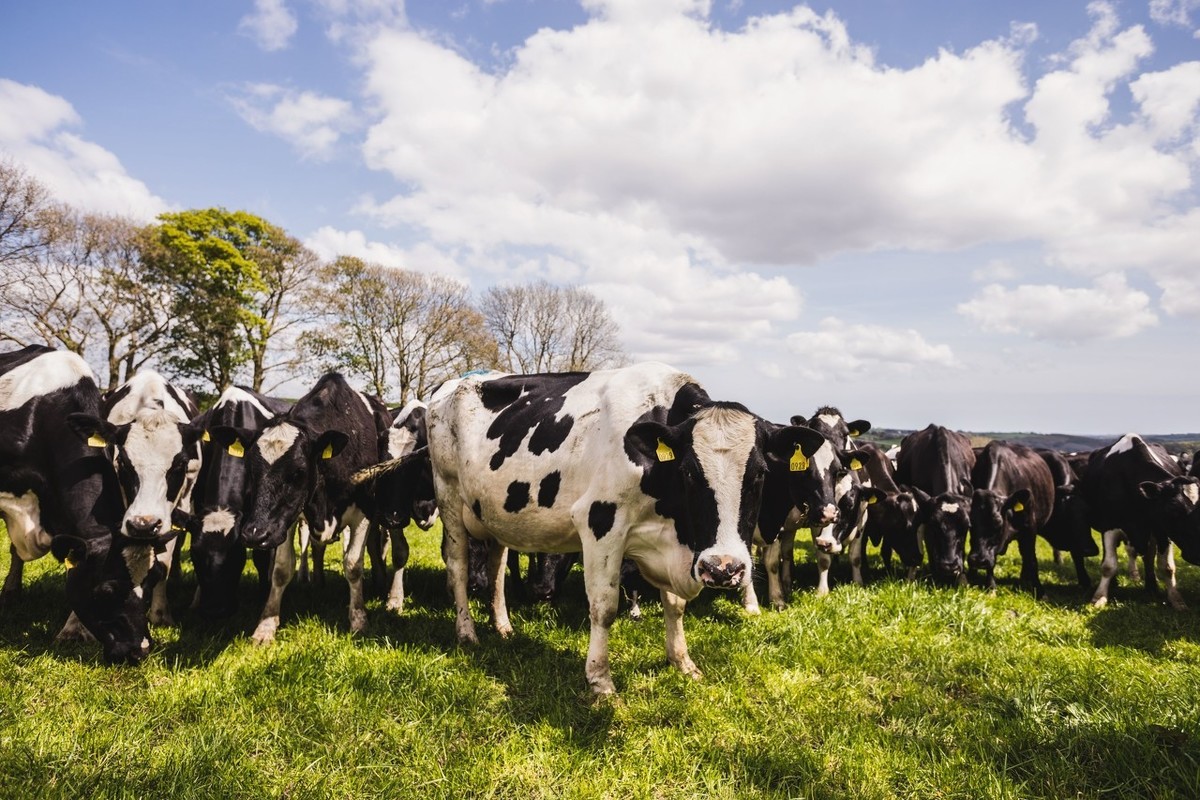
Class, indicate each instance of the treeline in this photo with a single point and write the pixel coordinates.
(212, 297)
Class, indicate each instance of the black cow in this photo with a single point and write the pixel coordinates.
(302, 462)
(1135, 491)
(1013, 499)
(936, 463)
(892, 521)
(59, 493)
(635, 462)
(1068, 528)
(218, 499)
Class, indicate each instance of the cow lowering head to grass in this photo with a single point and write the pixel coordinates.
(936, 463)
(635, 462)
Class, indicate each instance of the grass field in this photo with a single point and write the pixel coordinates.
(895, 690)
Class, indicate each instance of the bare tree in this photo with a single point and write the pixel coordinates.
(541, 328)
(22, 199)
(351, 311)
(287, 269)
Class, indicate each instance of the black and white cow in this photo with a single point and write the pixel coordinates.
(1068, 528)
(635, 462)
(1013, 499)
(59, 493)
(303, 462)
(829, 421)
(892, 521)
(218, 498)
(1137, 492)
(936, 463)
(847, 533)
(157, 457)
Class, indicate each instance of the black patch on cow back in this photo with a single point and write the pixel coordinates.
(601, 517)
(477, 510)
(518, 496)
(528, 403)
(548, 489)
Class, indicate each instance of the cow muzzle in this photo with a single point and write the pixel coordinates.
(147, 527)
(722, 572)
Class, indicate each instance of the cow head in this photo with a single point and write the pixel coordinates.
(894, 519)
(945, 520)
(995, 519)
(1171, 506)
(707, 473)
(283, 469)
(402, 490)
(854, 499)
(105, 594)
(829, 421)
(156, 458)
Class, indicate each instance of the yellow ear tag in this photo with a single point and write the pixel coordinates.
(328, 452)
(799, 461)
(68, 563)
(872, 499)
(855, 464)
(96, 440)
(205, 437)
(1018, 506)
(236, 450)
(664, 451)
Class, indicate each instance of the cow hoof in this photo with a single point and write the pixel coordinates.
(163, 619)
(689, 668)
(505, 631)
(635, 613)
(264, 634)
(1100, 602)
(358, 621)
(602, 688)
(780, 606)
(395, 605)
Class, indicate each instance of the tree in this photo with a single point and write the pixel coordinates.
(350, 300)
(22, 199)
(545, 328)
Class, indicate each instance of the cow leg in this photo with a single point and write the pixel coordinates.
(1027, 545)
(677, 653)
(395, 599)
(1081, 574)
(160, 611)
(281, 574)
(73, 631)
(454, 553)
(305, 534)
(857, 547)
(352, 564)
(749, 596)
(375, 536)
(318, 562)
(1166, 563)
(601, 578)
(1148, 558)
(497, 561)
(1058, 559)
(12, 581)
(787, 560)
(1108, 567)
(1135, 574)
(263, 559)
(824, 560)
(174, 572)
(773, 560)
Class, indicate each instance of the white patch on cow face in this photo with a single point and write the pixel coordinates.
(400, 442)
(723, 440)
(276, 441)
(138, 560)
(42, 375)
(138, 592)
(234, 395)
(146, 390)
(1192, 492)
(151, 446)
(950, 508)
(23, 516)
(219, 521)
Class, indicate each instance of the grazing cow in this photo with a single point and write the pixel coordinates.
(59, 493)
(302, 462)
(635, 462)
(936, 463)
(390, 494)
(854, 498)
(548, 572)
(157, 457)
(892, 521)
(1136, 492)
(218, 499)
(1068, 527)
(1013, 499)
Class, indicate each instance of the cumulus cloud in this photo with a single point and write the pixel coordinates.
(1109, 310)
(35, 131)
(271, 25)
(329, 243)
(842, 351)
(1175, 12)
(312, 123)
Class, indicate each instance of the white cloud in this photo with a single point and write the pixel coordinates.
(1109, 310)
(1174, 12)
(329, 243)
(995, 270)
(842, 351)
(312, 123)
(35, 132)
(271, 25)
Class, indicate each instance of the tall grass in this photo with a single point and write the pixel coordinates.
(895, 690)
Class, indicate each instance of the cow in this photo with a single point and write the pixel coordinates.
(218, 499)
(1135, 491)
(157, 457)
(854, 499)
(302, 462)
(391, 494)
(892, 521)
(637, 461)
(59, 494)
(1013, 499)
(936, 463)
(829, 421)
(1068, 528)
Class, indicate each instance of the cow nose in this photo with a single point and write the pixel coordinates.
(975, 560)
(254, 536)
(722, 571)
(143, 527)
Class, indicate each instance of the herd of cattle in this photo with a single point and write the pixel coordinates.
(637, 470)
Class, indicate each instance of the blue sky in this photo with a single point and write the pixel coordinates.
(973, 213)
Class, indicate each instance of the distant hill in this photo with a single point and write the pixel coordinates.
(1064, 442)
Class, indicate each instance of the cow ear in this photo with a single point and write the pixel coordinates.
(1149, 489)
(71, 550)
(95, 431)
(191, 432)
(855, 459)
(787, 443)
(798, 420)
(654, 441)
(1018, 502)
(966, 489)
(858, 427)
(872, 494)
(330, 444)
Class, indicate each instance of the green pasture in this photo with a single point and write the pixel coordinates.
(895, 690)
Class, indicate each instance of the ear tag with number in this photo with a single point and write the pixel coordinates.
(236, 449)
(799, 462)
(328, 452)
(96, 440)
(1018, 506)
(664, 451)
(855, 464)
